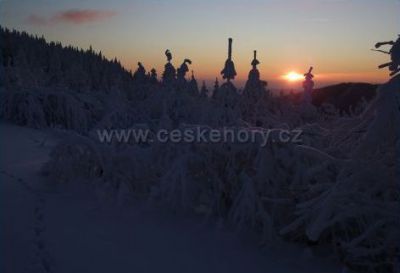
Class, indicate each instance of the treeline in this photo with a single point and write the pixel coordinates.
(28, 61)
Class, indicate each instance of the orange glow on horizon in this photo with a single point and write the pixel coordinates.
(206, 69)
(293, 76)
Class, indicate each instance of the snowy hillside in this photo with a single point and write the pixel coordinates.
(49, 230)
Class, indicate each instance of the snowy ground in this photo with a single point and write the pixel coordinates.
(52, 231)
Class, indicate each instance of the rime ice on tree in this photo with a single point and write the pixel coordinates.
(153, 76)
(181, 72)
(193, 87)
(140, 74)
(254, 74)
(254, 86)
(308, 86)
(169, 74)
(229, 72)
(216, 86)
(204, 90)
(394, 52)
(227, 93)
(254, 89)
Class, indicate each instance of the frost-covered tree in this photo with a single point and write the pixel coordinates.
(338, 187)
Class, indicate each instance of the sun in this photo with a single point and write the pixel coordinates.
(293, 76)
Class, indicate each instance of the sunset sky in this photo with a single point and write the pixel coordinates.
(334, 36)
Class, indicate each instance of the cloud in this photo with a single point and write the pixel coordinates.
(82, 16)
(75, 16)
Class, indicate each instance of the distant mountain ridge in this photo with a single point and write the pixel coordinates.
(344, 96)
